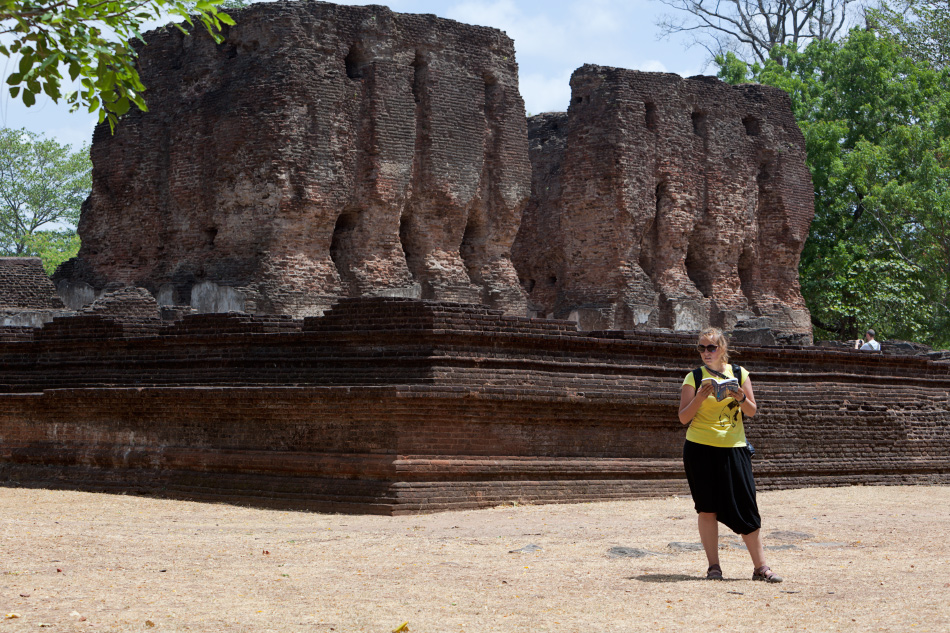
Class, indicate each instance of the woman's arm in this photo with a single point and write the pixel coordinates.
(691, 400)
(747, 405)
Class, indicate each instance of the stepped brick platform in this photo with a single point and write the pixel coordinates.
(397, 406)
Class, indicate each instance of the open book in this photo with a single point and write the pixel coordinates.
(722, 386)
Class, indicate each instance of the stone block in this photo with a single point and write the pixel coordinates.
(753, 336)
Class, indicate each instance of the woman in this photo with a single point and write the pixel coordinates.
(717, 458)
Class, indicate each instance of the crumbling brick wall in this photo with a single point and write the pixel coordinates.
(25, 286)
(396, 406)
(126, 304)
(320, 151)
(325, 151)
(27, 296)
(666, 202)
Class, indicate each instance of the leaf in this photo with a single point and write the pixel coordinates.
(92, 41)
(26, 63)
(121, 106)
(51, 88)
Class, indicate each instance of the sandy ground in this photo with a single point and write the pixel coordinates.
(863, 559)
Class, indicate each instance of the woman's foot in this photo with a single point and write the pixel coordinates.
(714, 573)
(766, 574)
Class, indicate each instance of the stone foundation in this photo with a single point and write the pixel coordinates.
(396, 406)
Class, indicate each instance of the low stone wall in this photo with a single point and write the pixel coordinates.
(397, 406)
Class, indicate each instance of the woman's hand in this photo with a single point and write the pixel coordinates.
(705, 391)
(691, 400)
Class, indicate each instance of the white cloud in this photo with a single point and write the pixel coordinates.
(652, 66)
(533, 33)
(600, 17)
(546, 93)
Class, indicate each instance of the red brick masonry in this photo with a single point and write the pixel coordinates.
(397, 406)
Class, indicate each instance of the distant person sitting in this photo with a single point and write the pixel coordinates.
(870, 345)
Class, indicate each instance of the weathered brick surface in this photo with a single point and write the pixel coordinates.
(27, 297)
(127, 304)
(9, 333)
(320, 151)
(398, 406)
(25, 286)
(328, 151)
(666, 202)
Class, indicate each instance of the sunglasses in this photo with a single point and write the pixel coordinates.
(707, 348)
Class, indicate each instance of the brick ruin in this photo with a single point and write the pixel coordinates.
(325, 151)
(319, 152)
(27, 297)
(297, 285)
(660, 201)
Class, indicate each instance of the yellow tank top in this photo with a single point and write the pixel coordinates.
(717, 423)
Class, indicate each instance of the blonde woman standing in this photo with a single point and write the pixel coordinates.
(717, 457)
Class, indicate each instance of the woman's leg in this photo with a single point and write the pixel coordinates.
(709, 535)
(753, 541)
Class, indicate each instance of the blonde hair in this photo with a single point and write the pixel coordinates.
(715, 335)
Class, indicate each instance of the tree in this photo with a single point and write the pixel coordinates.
(877, 129)
(752, 28)
(921, 26)
(42, 186)
(53, 247)
(92, 42)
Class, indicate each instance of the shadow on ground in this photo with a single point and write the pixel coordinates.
(672, 578)
(663, 578)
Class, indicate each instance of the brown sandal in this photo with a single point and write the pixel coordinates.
(714, 573)
(766, 574)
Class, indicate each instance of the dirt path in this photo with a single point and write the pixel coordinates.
(865, 559)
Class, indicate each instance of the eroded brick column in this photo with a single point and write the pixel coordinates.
(679, 203)
(319, 152)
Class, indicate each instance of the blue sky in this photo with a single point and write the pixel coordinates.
(552, 38)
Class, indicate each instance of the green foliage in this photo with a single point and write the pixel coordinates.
(92, 42)
(921, 26)
(53, 247)
(877, 130)
(42, 186)
(732, 70)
